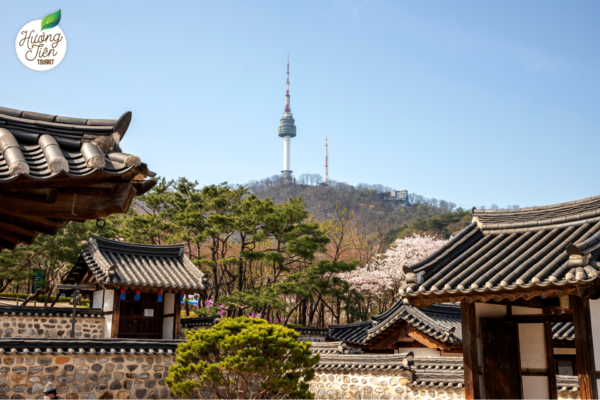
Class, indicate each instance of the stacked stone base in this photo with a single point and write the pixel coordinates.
(85, 377)
(374, 385)
(50, 327)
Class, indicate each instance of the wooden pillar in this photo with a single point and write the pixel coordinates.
(114, 331)
(470, 356)
(584, 347)
(177, 319)
(550, 361)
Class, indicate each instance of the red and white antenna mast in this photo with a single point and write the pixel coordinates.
(326, 159)
(287, 89)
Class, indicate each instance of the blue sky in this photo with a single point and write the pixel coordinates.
(472, 102)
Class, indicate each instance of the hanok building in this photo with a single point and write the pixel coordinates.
(433, 331)
(515, 273)
(138, 286)
(58, 169)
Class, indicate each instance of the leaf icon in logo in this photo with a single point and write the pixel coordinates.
(50, 21)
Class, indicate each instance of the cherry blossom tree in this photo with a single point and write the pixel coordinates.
(382, 277)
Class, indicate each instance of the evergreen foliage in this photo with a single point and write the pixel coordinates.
(243, 358)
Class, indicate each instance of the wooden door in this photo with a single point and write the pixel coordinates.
(501, 363)
(142, 319)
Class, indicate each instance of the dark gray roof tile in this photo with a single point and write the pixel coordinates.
(27, 128)
(497, 258)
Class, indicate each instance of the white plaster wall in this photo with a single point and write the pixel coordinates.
(168, 327)
(169, 301)
(97, 299)
(535, 387)
(422, 352)
(532, 347)
(109, 300)
(107, 325)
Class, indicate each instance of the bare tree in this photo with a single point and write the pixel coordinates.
(317, 178)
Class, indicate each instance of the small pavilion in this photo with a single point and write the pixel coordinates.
(515, 274)
(138, 286)
(426, 332)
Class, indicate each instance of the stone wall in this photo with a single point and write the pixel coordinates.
(85, 376)
(373, 385)
(50, 327)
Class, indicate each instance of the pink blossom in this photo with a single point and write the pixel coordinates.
(384, 274)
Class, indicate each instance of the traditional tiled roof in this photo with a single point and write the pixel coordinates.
(190, 323)
(18, 311)
(333, 348)
(46, 145)
(57, 169)
(563, 331)
(138, 265)
(438, 372)
(365, 362)
(87, 346)
(513, 251)
(441, 322)
(310, 330)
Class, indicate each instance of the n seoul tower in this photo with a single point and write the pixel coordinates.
(287, 128)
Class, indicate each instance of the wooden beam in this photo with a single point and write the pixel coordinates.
(32, 223)
(403, 345)
(143, 186)
(391, 335)
(11, 232)
(533, 303)
(427, 340)
(7, 243)
(540, 318)
(550, 361)
(106, 190)
(584, 348)
(73, 206)
(470, 356)
(115, 315)
(46, 196)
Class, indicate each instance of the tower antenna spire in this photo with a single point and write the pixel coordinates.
(326, 161)
(287, 89)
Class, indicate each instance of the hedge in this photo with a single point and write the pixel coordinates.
(41, 298)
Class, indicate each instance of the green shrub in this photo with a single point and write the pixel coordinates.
(243, 358)
(23, 296)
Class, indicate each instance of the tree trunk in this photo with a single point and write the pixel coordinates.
(32, 297)
(48, 295)
(214, 270)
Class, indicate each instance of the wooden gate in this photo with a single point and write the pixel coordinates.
(141, 319)
(501, 361)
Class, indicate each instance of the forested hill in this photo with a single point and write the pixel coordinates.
(374, 214)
